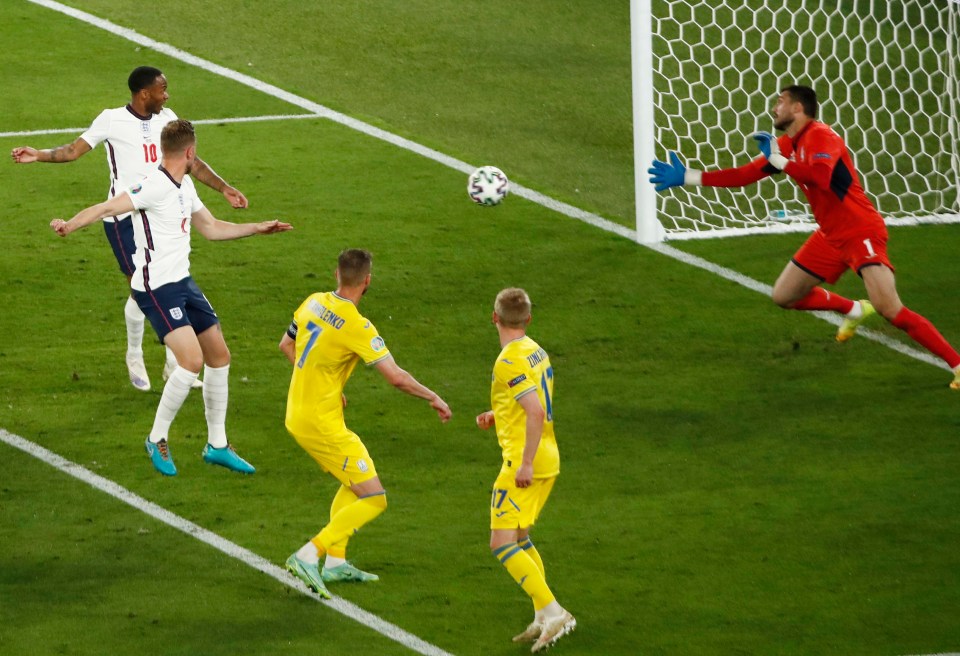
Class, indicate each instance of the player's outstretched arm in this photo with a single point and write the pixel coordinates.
(65, 153)
(202, 172)
(216, 230)
(404, 382)
(674, 174)
(116, 206)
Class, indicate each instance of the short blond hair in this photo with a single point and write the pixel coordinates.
(177, 136)
(513, 307)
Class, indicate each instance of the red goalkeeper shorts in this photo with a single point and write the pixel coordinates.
(828, 260)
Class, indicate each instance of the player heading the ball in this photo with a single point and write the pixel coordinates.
(167, 208)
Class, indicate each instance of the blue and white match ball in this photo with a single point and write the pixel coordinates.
(488, 186)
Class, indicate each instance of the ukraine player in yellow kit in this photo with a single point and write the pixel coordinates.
(326, 339)
(521, 394)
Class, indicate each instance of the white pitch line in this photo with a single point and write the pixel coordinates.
(219, 543)
(203, 121)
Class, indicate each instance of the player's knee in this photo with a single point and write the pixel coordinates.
(782, 299)
(377, 500)
(888, 310)
(191, 362)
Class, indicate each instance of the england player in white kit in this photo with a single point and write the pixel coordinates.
(165, 207)
(131, 139)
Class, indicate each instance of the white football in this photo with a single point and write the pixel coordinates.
(488, 186)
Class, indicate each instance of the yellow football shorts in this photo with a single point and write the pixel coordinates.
(516, 507)
(342, 455)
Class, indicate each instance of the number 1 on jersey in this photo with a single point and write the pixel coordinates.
(315, 331)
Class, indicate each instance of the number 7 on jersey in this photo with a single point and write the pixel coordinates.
(315, 331)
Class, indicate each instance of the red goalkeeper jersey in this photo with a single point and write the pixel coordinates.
(821, 165)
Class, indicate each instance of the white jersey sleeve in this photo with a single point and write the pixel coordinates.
(146, 196)
(99, 130)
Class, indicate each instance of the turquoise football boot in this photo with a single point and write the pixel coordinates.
(227, 457)
(160, 457)
(309, 574)
(347, 572)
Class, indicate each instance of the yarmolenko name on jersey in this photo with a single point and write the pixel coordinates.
(326, 316)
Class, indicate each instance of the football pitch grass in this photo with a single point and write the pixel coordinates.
(733, 480)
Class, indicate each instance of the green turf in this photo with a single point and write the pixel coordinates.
(733, 480)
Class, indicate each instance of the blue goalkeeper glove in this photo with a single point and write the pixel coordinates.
(769, 148)
(674, 174)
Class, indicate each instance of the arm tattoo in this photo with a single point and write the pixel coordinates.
(60, 153)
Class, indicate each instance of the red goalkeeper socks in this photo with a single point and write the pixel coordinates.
(820, 299)
(926, 335)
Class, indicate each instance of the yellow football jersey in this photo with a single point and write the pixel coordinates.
(332, 337)
(524, 368)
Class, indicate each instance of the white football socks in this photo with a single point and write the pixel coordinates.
(171, 359)
(308, 553)
(174, 394)
(134, 318)
(856, 311)
(332, 562)
(549, 612)
(215, 393)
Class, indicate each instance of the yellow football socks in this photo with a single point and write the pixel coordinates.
(349, 520)
(341, 500)
(525, 571)
(527, 545)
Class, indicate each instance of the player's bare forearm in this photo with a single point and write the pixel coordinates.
(411, 386)
(404, 382)
(117, 206)
(66, 153)
(534, 427)
(216, 230)
(288, 347)
(534, 431)
(83, 218)
(201, 172)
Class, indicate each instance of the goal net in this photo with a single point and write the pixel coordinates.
(885, 72)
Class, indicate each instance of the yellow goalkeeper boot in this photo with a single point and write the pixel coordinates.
(956, 379)
(849, 326)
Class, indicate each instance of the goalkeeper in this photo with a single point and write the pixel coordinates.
(850, 234)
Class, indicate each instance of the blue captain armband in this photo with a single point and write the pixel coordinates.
(292, 329)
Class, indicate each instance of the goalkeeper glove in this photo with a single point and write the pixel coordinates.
(770, 149)
(674, 174)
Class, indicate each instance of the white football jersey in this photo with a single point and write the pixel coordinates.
(132, 144)
(161, 228)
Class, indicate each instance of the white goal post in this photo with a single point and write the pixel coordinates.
(706, 72)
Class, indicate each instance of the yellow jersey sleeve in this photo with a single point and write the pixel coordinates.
(364, 340)
(515, 376)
